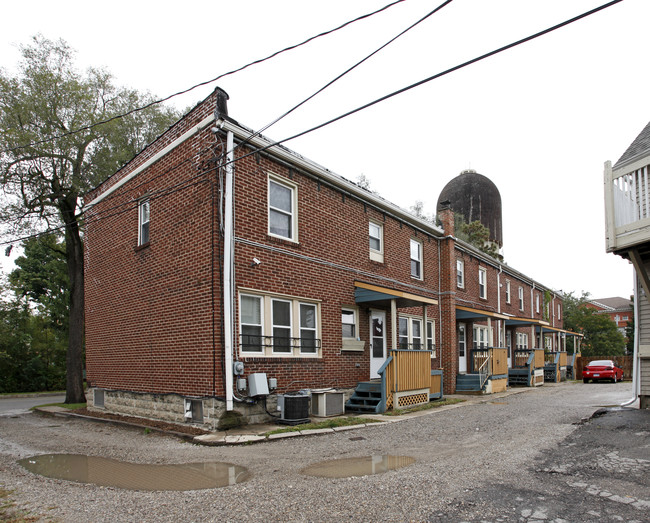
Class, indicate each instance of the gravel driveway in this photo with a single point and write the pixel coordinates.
(510, 457)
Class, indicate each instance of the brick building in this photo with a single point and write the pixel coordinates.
(216, 256)
(619, 310)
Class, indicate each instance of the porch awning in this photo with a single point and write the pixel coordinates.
(375, 294)
(515, 322)
(556, 329)
(469, 313)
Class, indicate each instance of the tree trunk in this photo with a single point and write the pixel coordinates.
(75, 261)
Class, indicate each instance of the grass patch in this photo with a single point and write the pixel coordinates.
(69, 406)
(327, 424)
(426, 406)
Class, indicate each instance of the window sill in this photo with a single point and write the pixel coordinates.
(142, 247)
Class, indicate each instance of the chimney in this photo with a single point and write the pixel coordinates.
(222, 103)
(447, 218)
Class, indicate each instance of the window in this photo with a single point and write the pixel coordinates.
(482, 283)
(460, 274)
(558, 311)
(307, 328)
(522, 340)
(537, 303)
(410, 334)
(282, 210)
(625, 318)
(278, 326)
(481, 337)
(349, 323)
(143, 222)
(521, 298)
(376, 238)
(507, 291)
(416, 259)
(281, 321)
(251, 323)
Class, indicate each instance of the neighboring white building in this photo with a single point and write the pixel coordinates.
(627, 216)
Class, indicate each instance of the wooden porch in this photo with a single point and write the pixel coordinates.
(527, 368)
(555, 367)
(406, 379)
(487, 371)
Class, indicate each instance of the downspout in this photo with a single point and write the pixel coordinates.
(228, 269)
(532, 315)
(501, 335)
(635, 357)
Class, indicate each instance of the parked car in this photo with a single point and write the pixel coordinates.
(602, 370)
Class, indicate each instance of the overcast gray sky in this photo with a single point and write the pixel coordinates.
(539, 120)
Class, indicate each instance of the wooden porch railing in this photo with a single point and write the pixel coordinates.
(555, 366)
(498, 357)
(407, 378)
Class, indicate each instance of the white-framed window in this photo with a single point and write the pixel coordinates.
(349, 326)
(282, 204)
(280, 326)
(558, 311)
(460, 274)
(482, 283)
(522, 340)
(410, 334)
(143, 222)
(376, 239)
(481, 337)
(507, 291)
(521, 298)
(625, 318)
(537, 303)
(416, 259)
(251, 322)
(548, 343)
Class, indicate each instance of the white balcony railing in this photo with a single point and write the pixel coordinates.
(627, 204)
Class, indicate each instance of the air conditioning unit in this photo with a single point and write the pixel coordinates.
(294, 409)
(327, 403)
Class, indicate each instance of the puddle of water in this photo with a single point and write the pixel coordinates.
(135, 476)
(364, 466)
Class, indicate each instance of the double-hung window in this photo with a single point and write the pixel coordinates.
(416, 259)
(143, 222)
(521, 298)
(282, 210)
(482, 283)
(273, 325)
(507, 291)
(481, 337)
(522, 340)
(349, 323)
(460, 274)
(376, 240)
(537, 303)
(411, 334)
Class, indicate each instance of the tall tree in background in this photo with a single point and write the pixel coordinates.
(45, 168)
(601, 336)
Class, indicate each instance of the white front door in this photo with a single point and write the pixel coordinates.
(509, 345)
(377, 342)
(462, 349)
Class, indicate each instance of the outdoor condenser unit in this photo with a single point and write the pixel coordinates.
(327, 403)
(294, 409)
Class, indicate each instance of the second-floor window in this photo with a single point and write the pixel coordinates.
(416, 259)
(521, 298)
(143, 222)
(282, 210)
(460, 274)
(376, 239)
(482, 283)
(537, 303)
(507, 291)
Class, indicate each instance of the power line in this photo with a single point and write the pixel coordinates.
(358, 109)
(436, 76)
(337, 78)
(184, 91)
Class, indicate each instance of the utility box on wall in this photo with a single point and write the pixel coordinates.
(257, 384)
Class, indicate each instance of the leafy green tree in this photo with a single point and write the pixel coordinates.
(46, 166)
(629, 331)
(601, 336)
(478, 235)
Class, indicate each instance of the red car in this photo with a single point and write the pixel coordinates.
(602, 370)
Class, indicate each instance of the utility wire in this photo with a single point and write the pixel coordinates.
(161, 100)
(435, 76)
(328, 84)
(370, 104)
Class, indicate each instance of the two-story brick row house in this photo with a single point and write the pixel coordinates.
(215, 257)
